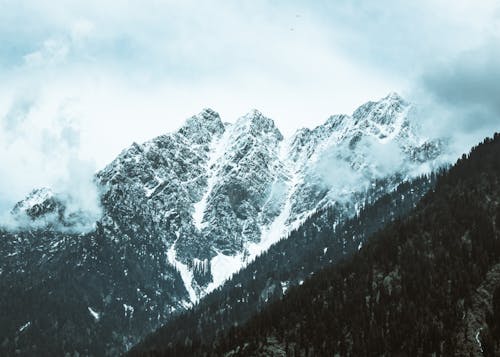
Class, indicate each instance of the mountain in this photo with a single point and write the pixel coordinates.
(182, 212)
(319, 242)
(62, 292)
(427, 284)
(224, 193)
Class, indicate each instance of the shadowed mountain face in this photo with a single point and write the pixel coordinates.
(181, 213)
(322, 240)
(223, 193)
(426, 284)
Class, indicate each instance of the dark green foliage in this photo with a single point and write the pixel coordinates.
(491, 337)
(321, 241)
(50, 279)
(404, 293)
(496, 308)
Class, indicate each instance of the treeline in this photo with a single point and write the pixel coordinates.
(406, 292)
(326, 238)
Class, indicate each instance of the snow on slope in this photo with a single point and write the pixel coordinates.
(279, 227)
(223, 266)
(356, 148)
(186, 274)
(218, 195)
(216, 153)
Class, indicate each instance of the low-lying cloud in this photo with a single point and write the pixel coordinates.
(459, 98)
(80, 81)
(39, 147)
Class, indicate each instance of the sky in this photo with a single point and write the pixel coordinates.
(80, 81)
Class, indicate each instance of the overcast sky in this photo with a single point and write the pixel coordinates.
(81, 80)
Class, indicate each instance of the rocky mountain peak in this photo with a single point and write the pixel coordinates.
(202, 127)
(44, 208)
(185, 210)
(212, 192)
(256, 124)
(384, 112)
(394, 96)
(37, 203)
(333, 123)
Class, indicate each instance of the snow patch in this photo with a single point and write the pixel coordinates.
(94, 314)
(478, 340)
(150, 191)
(36, 197)
(279, 227)
(201, 265)
(222, 267)
(217, 151)
(170, 213)
(284, 286)
(199, 207)
(25, 326)
(128, 310)
(186, 274)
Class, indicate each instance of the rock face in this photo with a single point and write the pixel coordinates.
(45, 209)
(219, 194)
(182, 212)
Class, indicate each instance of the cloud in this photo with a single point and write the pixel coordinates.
(189, 55)
(402, 37)
(470, 82)
(80, 81)
(338, 168)
(458, 97)
(39, 147)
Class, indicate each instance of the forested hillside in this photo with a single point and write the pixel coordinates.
(427, 284)
(324, 239)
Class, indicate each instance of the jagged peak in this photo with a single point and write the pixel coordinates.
(209, 114)
(255, 113)
(201, 127)
(393, 96)
(257, 124)
(39, 202)
(333, 121)
(35, 197)
(207, 118)
(383, 112)
(254, 116)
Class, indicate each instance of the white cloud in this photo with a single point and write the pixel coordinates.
(128, 72)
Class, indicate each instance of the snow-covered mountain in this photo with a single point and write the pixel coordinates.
(185, 210)
(219, 194)
(43, 208)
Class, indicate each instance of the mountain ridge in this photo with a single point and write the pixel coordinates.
(231, 190)
(185, 210)
(247, 188)
(427, 283)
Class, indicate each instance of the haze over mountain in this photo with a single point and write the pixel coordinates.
(122, 223)
(182, 212)
(428, 283)
(84, 80)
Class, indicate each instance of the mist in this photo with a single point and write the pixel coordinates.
(81, 81)
(40, 147)
(458, 98)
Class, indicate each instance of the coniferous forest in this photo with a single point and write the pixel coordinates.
(317, 243)
(249, 178)
(428, 283)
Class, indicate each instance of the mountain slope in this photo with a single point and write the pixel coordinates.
(322, 240)
(426, 284)
(224, 193)
(64, 293)
(182, 212)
